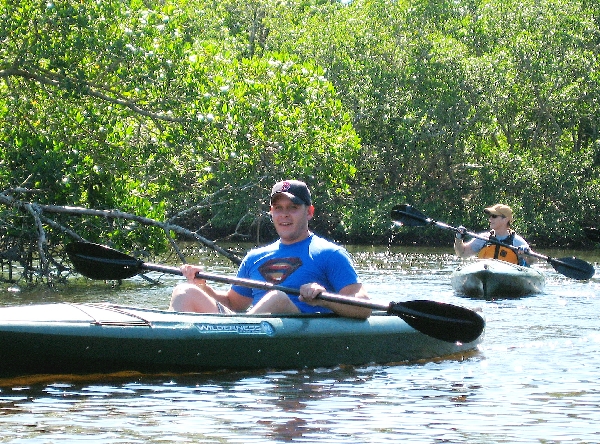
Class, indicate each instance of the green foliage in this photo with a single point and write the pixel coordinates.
(463, 104)
(191, 109)
(151, 109)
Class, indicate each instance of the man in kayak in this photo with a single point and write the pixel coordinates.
(300, 258)
(500, 219)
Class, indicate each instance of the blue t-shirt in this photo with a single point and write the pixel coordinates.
(313, 259)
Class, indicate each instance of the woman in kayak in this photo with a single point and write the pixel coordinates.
(500, 219)
(299, 258)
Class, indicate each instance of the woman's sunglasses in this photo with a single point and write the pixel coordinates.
(494, 216)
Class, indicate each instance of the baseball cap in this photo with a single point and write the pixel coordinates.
(500, 210)
(296, 190)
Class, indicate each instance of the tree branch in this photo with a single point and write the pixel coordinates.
(86, 89)
(37, 210)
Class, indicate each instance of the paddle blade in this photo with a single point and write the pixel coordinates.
(408, 215)
(446, 322)
(103, 263)
(573, 268)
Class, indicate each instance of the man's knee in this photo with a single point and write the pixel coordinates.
(185, 288)
(184, 297)
(275, 302)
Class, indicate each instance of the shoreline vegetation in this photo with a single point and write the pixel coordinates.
(186, 113)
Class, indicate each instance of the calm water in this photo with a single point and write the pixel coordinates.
(533, 379)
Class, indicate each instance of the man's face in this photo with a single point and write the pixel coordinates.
(290, 219)
(498, 223)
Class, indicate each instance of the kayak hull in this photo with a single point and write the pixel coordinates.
(83, 338)
(491, 279)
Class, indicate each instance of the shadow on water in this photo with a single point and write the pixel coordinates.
(123, 377)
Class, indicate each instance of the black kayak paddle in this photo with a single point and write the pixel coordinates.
(442, 321)
(568, 266)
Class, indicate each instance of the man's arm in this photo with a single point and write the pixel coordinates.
(309, 293)
(463, 249)
(230, 298)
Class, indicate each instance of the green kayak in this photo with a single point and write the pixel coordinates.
(84, 338)
(491, 278)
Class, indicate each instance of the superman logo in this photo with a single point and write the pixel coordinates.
(277, 270)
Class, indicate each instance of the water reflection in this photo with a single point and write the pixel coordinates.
(534, 378)
(337, 405)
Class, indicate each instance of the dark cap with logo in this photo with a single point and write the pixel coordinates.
(296, 190)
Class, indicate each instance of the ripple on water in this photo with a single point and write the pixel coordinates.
(534, 379)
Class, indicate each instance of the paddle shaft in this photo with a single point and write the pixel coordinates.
(325, 296)
(394, 308)
(512, 247)
(447, 322)
(444, 226)
(580, 269)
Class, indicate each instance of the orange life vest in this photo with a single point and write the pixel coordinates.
(495, 251)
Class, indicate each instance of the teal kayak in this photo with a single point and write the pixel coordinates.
(84, 338)
(491, 278)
